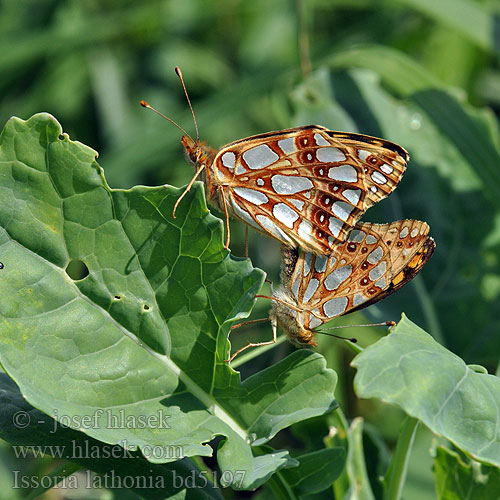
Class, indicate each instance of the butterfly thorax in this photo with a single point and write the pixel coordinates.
(291, 321)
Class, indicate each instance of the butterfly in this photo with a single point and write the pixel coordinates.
(374, 262)
(306, 186)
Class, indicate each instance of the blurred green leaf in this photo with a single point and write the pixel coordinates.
(471, 19)
(468, 130)
(420, 483)
(314, 104)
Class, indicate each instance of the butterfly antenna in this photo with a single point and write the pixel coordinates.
(144, 104)
(179, 74)
(352, 339)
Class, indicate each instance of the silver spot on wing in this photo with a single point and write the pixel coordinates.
(335, 307)
(337, 277)
(260, 156)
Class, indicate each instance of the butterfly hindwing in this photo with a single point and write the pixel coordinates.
(376, 260)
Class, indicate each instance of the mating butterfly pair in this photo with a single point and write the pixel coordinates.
(374, 261)
(308, 187)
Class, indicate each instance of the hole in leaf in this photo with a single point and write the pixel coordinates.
(1, 265)
(77, 270)
(118, 297)
(146, 307)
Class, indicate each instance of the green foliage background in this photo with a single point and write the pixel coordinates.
(422, 73)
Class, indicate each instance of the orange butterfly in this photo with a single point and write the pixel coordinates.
(374, 261)
(305, 186)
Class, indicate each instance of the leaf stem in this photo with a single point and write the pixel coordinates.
(396, 473)
(341, 485)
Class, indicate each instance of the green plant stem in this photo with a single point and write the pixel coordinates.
(396, 473)
(280, 488)
(303, 37)
(64, 470)
(341, 485)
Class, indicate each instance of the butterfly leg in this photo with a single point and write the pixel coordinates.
(274, 327)
(291, 306)
(226, 215)
(250, 322)
(188, 187)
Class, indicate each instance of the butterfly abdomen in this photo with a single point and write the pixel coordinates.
(289, 258)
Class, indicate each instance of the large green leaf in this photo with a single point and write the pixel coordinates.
(32, 432)
(410, 369)
(144, 335)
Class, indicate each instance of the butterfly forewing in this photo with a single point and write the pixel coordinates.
(306, 186)
(372, 263)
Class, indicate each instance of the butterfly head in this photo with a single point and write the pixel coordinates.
(197, 152)
(290, 320)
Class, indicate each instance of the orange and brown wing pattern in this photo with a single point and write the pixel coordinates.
(307, 186)
(372, 263)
